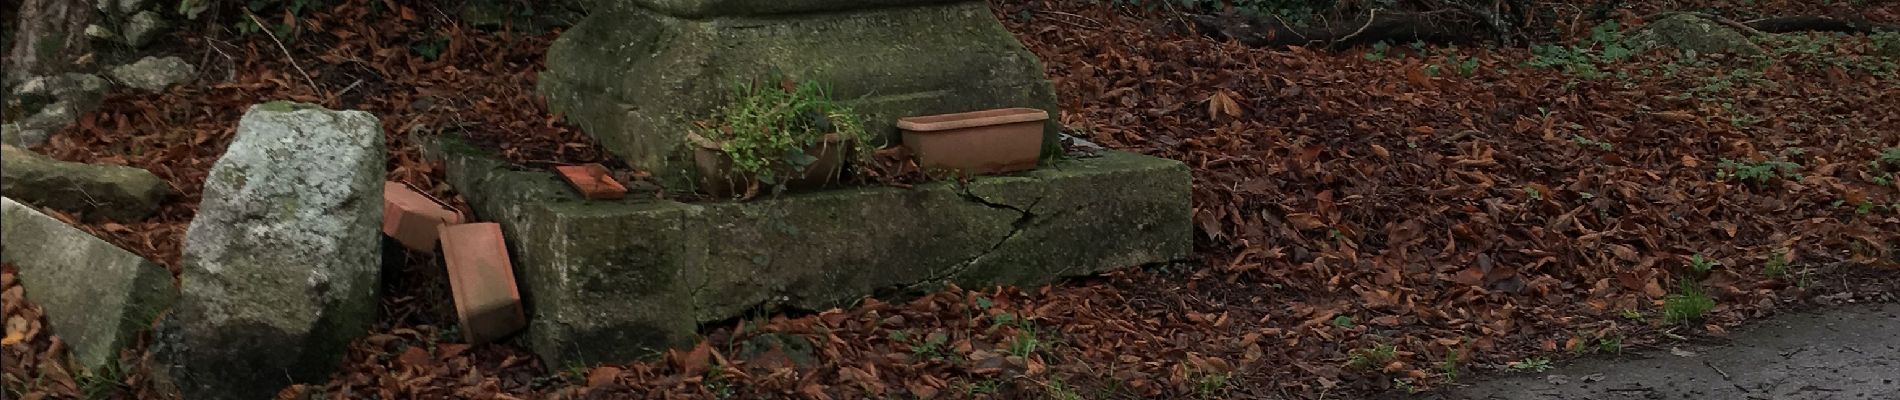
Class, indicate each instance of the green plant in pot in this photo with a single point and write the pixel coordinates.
(776, 135)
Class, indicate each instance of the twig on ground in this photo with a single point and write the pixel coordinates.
(230, 69)
(1751, 31)
(1098, 24)
(1717, 370)
(346, 89)
(287, 56)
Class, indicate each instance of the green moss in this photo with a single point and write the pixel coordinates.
(287, 106)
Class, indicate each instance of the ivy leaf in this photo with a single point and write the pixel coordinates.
(799, 159)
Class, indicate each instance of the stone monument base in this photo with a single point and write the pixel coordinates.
(637, 79)
(611, 281)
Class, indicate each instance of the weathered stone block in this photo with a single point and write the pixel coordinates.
(97, 296)
(281, 263)
(93, 191)
(637, 78)
(617, 280)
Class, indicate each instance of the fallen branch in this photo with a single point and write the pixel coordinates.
(1815, 23)
(287, 56)
(1772, 25)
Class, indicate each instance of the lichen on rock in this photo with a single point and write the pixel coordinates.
(154, 74)
(1691, 32)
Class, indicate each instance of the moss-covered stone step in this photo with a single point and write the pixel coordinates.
(620, 280)
(97, 296)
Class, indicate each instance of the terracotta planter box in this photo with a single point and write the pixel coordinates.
(483, 282)
(976, 143)
(412, 217)
(718, 178)
(593, 181)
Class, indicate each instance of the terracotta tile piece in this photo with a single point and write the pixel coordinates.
(483, 282)
(593, 181)
(412, 217)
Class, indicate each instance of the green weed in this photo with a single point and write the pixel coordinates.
(1777, 265)
(1610, 344)
(1758, 172)
(1587, 142)
(1449, 366)
(1886, 44)
(1633, 314)
(1211, 385)
(1702, 265)
(1371, 359)
(1026, 343)
(1343, 321)
(1689, 304)
(991, 386)
(1055, 389)
(1377, 52)
(718, 384)
(102, 383)
(1404, 385)
(932, 346)
(770, 123)
(1467, 67)
(1824, 51)
(1605, 45)
(1533, 364)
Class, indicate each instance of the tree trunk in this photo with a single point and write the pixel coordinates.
(49, 36)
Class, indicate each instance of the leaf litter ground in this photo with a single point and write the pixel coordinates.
(1369, 221)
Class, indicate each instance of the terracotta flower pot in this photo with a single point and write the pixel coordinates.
(593, 181)
(979, 142)
(719, 178)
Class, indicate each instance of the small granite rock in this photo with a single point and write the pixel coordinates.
(142, 28)
(113, 192)
(192, 8)
(35, 129)
(154, 74)
(132, 6)
(16, 134)
(97, 296)
(84, 91)
(281, 264)
(53, 102)
(100, 32)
